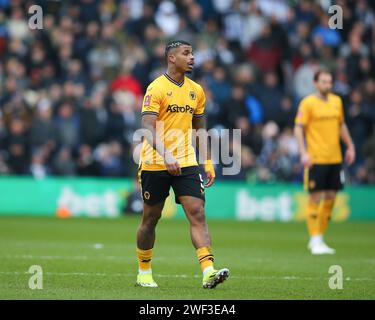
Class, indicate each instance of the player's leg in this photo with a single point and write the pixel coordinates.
(316, 182)
(314, 221)
(145, 243)
(189, 192)
(325, 209)
(312, 218)
(155, 189)
(334, 182)
(200, 237)
(146, 230)
(194, 210)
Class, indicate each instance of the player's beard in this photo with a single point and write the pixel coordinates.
(325, 92)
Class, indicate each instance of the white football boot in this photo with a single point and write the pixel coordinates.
(317, 246)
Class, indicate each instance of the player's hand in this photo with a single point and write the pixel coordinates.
(350, 155)
(306, 160)
(172, 165)
(210, 173)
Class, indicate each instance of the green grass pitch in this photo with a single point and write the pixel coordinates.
(266, 260)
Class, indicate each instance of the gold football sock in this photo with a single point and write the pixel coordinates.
(324, 212)
(144, 260)
(205, 258)
(313, 218)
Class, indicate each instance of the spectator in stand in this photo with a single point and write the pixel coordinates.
(64, 164)
(167, 18)
(93, 120)
(265, 51)
(39, 168)
(219, 85)
(16, 145)
(235, 108)
(253, 23)
(328, 36)
(355, 54)
(87, 165)
(359, 122)
(42, 131)
(286, 116)
(110, 159)
(67, 126)
(270, 96)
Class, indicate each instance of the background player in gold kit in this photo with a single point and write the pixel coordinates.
(172, 106)
(320, 119)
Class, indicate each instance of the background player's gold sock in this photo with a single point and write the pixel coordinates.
(324, 212)
(313, 219)
(205, 258)
(144, 260)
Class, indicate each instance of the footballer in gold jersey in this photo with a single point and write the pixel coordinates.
(173, 106)
(320, 125)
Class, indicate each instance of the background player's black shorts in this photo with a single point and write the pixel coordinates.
(325, 177)
(156, 184)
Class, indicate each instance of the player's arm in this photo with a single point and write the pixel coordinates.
(152, 101)
(301, 121)
(199, 124)
(149, 123)
(345, 136)
(299, 132)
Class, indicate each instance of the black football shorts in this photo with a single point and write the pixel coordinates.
(156, 184)
(324, 177)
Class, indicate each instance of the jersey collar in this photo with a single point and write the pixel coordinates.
(180, 84)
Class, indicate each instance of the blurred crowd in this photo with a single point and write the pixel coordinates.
(71, 93)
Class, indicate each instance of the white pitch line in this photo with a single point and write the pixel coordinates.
(179, 276)
(57, 257)
(85, 258)
(97, 274)
(45, 257)
(96, 257)
(121, 258)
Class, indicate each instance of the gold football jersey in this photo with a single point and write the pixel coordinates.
(175, 104)
(322, 122)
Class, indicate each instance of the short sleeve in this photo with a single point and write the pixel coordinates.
(151, 101)
(302, 117)
(199, 111)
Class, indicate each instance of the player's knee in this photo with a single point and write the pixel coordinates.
(315, 197)
(196, 212)
(151, 218)
(330, 195)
